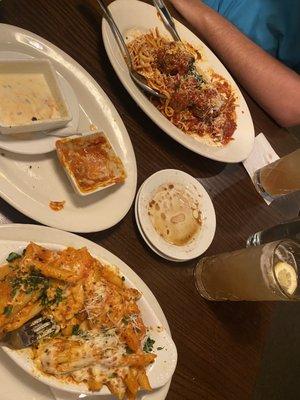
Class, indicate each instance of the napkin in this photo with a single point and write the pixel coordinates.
(261, 155)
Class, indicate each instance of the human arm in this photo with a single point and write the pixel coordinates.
(273, 85)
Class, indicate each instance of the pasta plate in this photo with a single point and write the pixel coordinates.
(134, 15)
(159, 373)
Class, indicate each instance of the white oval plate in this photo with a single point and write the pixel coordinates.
(30, 182)
(40, 142)
(207, 231)
(136, 14)
(137, 220)
(16, 237)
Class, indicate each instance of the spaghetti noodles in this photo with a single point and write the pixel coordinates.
(201, 106)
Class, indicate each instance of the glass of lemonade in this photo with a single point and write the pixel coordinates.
(266, 272)
(289, 229)
(280, 177)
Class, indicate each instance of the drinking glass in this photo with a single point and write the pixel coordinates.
(266, 272)
(289, 229)
(280, 177)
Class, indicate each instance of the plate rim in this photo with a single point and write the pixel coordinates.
(131, 89)
(20, 232)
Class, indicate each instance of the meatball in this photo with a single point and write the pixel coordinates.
(172, 61)
(184, 97)
(180, 100)
(207, 104)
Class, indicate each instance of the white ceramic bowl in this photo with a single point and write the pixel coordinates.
(32, 66)
(111, 156)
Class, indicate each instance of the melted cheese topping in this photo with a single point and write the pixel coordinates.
(64, 356)
(100, 335)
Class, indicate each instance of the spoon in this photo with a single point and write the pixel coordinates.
(138, 79)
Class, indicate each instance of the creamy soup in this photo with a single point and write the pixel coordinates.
(26, 97)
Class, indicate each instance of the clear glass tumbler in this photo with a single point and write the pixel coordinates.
(289, 229)
(266, 272)
(280, 177)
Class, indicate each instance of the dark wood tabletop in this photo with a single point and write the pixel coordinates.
(220, 345)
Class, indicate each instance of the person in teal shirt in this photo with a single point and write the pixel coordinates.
(272, 24)
(259, 42)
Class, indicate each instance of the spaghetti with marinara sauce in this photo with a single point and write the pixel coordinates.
(201, 106)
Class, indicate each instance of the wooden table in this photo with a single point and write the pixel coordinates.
(219, 344)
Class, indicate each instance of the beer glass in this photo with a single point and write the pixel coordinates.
(266, 272)
(280, 177)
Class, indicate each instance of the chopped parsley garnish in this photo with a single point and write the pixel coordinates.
(128, 350)
(148, 345)
(193, 71)
(126, 320)
(7, 310)
(58, 295)
(45, 301)
(44, 298)
(160, 348)
(33, 281)
(75, 330)
(16, 284)
(13, 256)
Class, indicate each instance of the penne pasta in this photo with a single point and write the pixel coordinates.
(28, 312)
(101, 328)
(139, 360)
(111, 277)
(4, 270)
(58, 273)
(143, 380)
(131, 338)
(132, 382)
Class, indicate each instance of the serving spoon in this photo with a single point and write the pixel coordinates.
(137, 78)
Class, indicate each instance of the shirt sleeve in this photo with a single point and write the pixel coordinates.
(272, 24)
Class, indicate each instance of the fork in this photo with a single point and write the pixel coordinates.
(31, 332)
